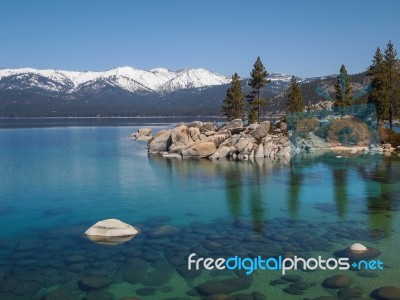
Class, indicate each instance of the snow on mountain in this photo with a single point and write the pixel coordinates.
(127, 78)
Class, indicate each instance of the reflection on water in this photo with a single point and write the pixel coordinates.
(340, 190)
(57, 182)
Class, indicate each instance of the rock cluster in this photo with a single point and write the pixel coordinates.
(231, 140)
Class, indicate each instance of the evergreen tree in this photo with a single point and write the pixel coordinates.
(392, 75)
(252, 117)
(233, 107)
(258, 81)
(294, 99)
(342, 89)
(379, 93)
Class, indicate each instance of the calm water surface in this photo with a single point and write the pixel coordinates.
(55, 182)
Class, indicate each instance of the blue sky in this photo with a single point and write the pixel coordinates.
(304, 38)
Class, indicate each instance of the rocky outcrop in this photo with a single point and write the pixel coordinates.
(234, 141)
(231, 140)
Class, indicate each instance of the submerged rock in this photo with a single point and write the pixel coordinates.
(111, 232)
(225, 286)
(358, 252)
(162, 231)
(94, 283)
(349, 293)
(61, 294)
(337, 282)
(100, 295)
(387, 293)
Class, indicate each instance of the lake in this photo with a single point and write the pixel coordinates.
(57, 181)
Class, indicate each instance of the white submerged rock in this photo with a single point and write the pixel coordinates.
(111, 232)
(358, 248)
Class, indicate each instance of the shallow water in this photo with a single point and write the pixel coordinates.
(56, 182)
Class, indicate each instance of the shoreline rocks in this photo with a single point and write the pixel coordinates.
(235, 141)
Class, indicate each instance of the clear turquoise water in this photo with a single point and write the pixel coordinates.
(56, 182)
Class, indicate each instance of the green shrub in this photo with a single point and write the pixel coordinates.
(322, 132)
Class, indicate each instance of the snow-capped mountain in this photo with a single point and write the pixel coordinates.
(122, 91)
(157, 80)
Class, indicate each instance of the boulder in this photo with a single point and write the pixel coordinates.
(217, 139)
(94, 283)
(236, 123)
(221, 152)
(252, 126)
(160, 142)
(247, 149)
(111, 231)
(357, 252)
(225, 286)
(195, 124)
(100, 294)
(358, 248)
(174, 149)
(231, 141)
(180, 136)
(162, 231)
(194, 133)
(261, 130)
(337, 282)
(348, 293)
(387, 146)
(61, 294)
(200, 149)
(260, 151)
(143, 134)
(241, 144)
(207, 127)
(283, 126)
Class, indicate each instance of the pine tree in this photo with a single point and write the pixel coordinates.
(252, 117)
(392, 74)
(294, 99)
(379, 92)
(343, 89)
(258, 81)
(233, 107)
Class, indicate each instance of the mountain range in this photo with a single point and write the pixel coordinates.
(126, 91)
